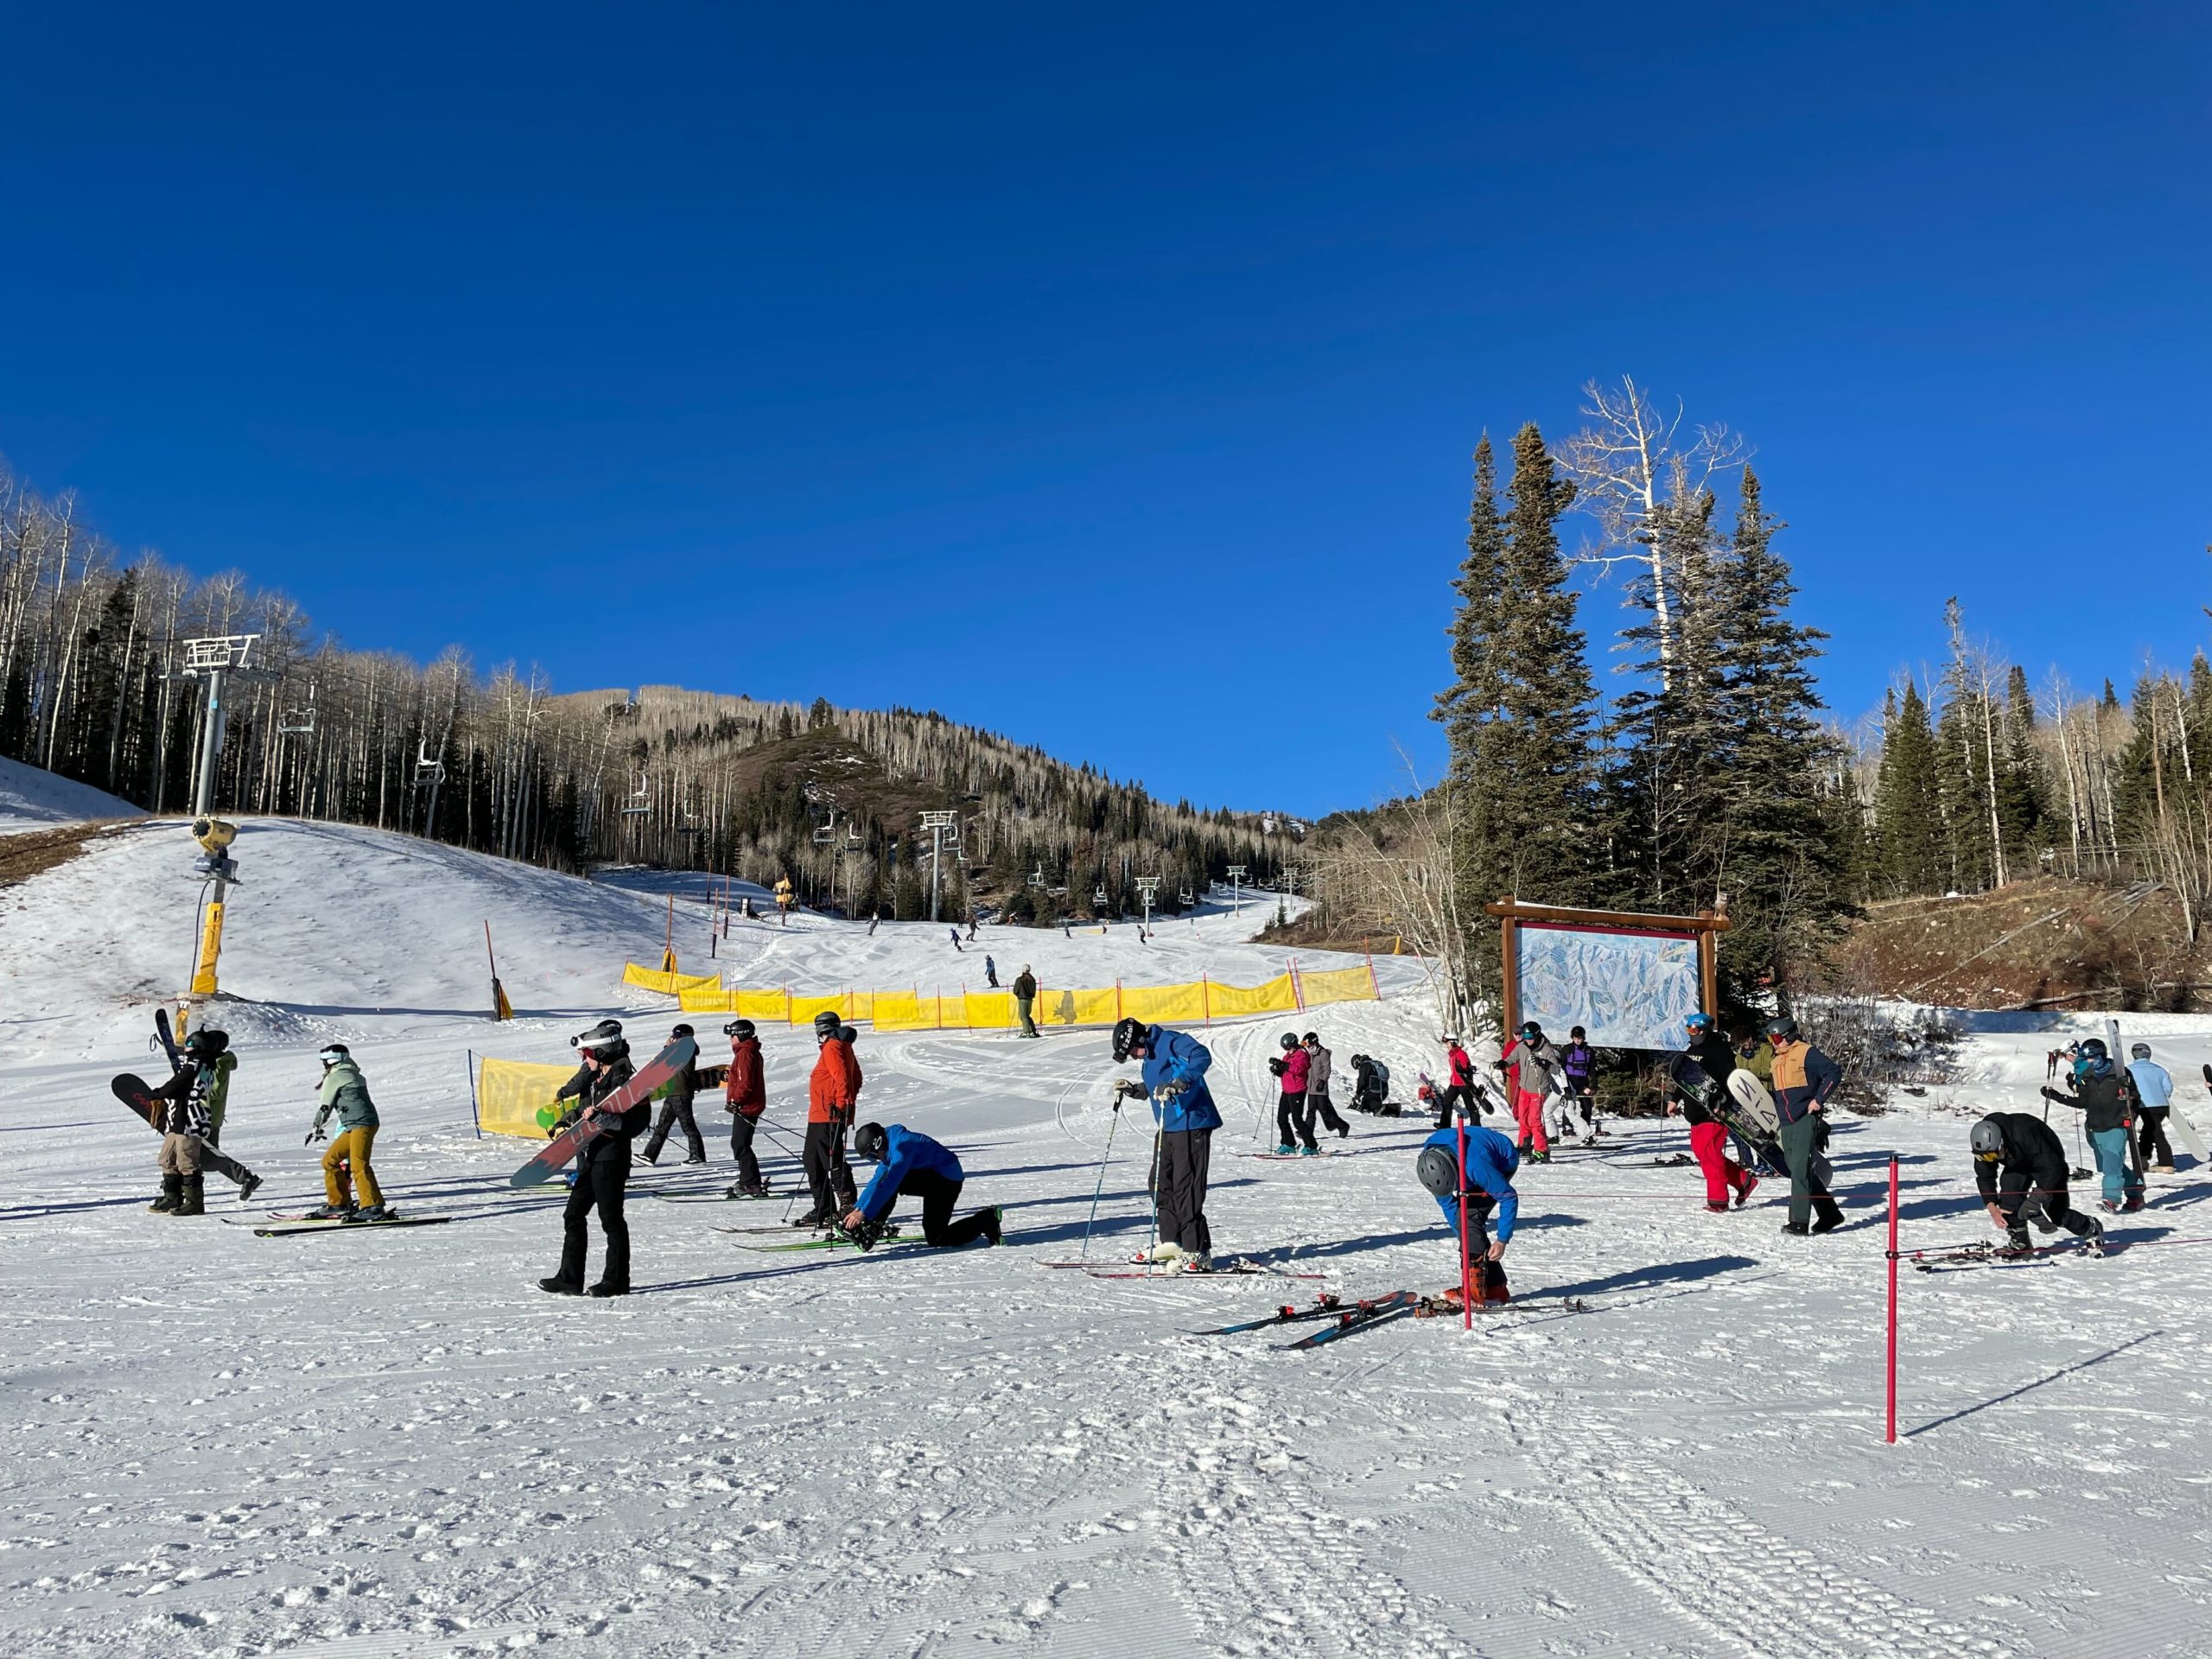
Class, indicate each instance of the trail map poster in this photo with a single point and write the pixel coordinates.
(1626, 990)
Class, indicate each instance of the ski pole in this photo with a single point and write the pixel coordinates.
(1101, 1186)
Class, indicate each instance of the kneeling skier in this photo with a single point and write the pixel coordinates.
(913, 1166)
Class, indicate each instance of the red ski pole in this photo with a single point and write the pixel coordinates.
(1890, 1438)
(1467, 1267)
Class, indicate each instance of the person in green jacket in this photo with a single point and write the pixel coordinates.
(345, 1092)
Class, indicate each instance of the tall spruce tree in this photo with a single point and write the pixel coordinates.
(1473, 700)
(1908, 798)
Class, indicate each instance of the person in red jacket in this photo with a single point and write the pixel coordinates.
(1460, 1090)
(832, 1091)
(745, 1096)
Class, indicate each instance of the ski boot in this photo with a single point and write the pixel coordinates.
(368, 1212)
(1166, 1250)
(248, 1187)
(2093, 1242)
(328, 1212)
(1716, 1208)
(1285, 1150)
(2134, 1203)
(1796, 1229)
(172, 1195)
(1743, 1193)
(194, 1201)
(1199, 1261)
(2016, 1250)
(557, 1285)
(1309, 1151)
(992, 1231)
(602, 1288)
(812, 1219)
(696, 1157)
(1826, 1224)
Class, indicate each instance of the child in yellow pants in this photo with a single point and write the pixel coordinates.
(345, 1092)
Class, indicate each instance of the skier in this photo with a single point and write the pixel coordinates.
(603, 1166)
(1294, 1124)
(1528, 1080)
(1459, 1083)
(683, 1089)
(1803, 1080)
(345, 1092)
(990, 972)
(2102, 1099)
(913, 1166)
(1024, 999)
(745, 1096)
(2019, 1167)
(833, 1090)
(2154, 1098)
(1491, 1160)
(1182, 1106)
(1317, 1088)
(187, 1147)
(1724, 1176)
(1577, 1059)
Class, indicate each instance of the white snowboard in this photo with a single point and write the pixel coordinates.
(1748, 1093)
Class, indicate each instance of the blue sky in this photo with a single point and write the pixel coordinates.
(1106, 378)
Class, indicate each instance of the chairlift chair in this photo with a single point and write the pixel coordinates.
(427, 771)
(640, 799)
(298, 720)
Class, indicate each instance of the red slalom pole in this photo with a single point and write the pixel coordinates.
(1890, 1438)
(1467, 1267)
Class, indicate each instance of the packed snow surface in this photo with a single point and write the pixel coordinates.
(33, 799)
(391, 1443)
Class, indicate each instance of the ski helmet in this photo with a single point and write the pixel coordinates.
(740, 1029)
(608, 1034)
(1128, 1037)
(1439, 1170)
(849, 1033)
(2140, 1052)
(334, 1053)
(1313, 1038)
(1987, 1141)
(1532, 1031)
(1781, 1029)
(871, 1142)
(1289, 1040)
(825, 1026)
(1575, 1034)
(207, 1044)
(681, 1030)
(2092, 1059)
(1698, 1022)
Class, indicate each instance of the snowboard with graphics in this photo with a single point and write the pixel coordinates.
(564, 1147)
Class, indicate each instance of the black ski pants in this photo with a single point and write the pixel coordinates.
(1459, 1094)
(2151, 1138)
(602, 1185)
(741, 1131)
(1293, 1123)
(829, 1177)
(1180, 1188)
(2037, 1195)
(938, 1194)
(1318, 1101)
(676, 1108)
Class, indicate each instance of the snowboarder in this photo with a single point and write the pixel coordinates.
(745, 1096)
(1803, 1080)
(1491, 1162)
(1723, 1177)
(913, 1166)
(1182, 1107)
(1318, 1104)
(187, 1148)
(1528, 1080)
(2019, 1167)
(603, 1166)
(833, 1090)
(954, 933)
(1294, 1124)
(683, 1089)
(1577, 1061)
(1371, 1087)
(990, 972)
(346, 1161)
(2154, 1098)
(1459, 1084)
(2102, 1099)
(1024, 999)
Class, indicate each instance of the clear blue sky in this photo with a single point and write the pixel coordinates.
(1108, 380)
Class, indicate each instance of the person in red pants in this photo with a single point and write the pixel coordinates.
(1723, 1177)
(1531, 1063)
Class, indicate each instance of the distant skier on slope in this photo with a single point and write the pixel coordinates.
(913, 1166)
(2019, 1167)
(345, 1166)
(603, 1164)
(1491, 1162)
(1725, 1179)
(683, 1089)
(1175, 1065)
(1025, 999)
(833, 1092)
(187, 1126)
(990, 972)
(745, 1096)
(2101, 1098)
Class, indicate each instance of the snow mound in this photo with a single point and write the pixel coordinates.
(33, 798)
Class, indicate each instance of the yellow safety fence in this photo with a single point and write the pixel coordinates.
(667, 984)
(515, 1098)
(1197, 1003)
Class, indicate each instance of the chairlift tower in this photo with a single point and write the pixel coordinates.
(1236, 889)
(212, 660)
(1147, 886)
(937, 824)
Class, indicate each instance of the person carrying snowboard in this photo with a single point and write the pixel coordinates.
(1024, 999)
(1318, 1104)
(2019, 1168)
(1803, 1080)
(912, 1165)
(602, 1166)
(1485, 1186)
(2101, 1098)
(346, 1168)
(1293, 1126)
(745, 1096)
(2154, 1098)
(683, 1089)
(187, 1148)
(1723, 1177)
(833, 1090)
(1175, 1065)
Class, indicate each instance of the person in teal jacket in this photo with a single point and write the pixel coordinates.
(345, 1091)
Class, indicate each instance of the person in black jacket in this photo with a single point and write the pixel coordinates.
(603, 1164)
(2101, 1097)
(1725, 1179)
(2019, 1165)
(675, 1109)
(1025, 999)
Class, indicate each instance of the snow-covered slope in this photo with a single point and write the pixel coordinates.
(392, 1443)
(33, 799)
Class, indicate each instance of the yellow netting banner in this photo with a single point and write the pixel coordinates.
(1338, 985)
(515, 1098)
(653, 979)
(1227, 1001)
(1067, 1008)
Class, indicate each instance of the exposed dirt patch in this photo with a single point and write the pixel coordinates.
(25, 855)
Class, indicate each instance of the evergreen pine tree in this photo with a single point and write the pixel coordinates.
(1907, 814)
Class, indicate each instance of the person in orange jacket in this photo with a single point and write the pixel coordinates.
(833, 1090)
(745, 1096)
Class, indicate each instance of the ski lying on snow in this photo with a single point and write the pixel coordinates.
(287, 1229)
(1288, 1313)
(1987, 1256)
(1378, 1310)
(1240, 1269)
(1299, 1157)
(695, 1195)
(887, 1242)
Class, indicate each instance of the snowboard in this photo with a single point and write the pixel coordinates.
(138, 1095)
(2184, 1131)
(1694, 1083)
(564, 1147)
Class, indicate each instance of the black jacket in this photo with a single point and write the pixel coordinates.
(1024, 985)
(2034, 1157)
(588, 1088)
(1716, 1058)
(2099, 1100)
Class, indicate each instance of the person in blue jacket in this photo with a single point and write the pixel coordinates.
(1175, 1081)
(913, 1166)
(1491, 1163)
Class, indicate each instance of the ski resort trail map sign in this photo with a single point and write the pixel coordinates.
(1626, 990)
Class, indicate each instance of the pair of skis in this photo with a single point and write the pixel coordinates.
(1346, 1319)
(291, 1226)
(1956, 1257)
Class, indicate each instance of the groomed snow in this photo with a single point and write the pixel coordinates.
(393, 1444)
(33, 799)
